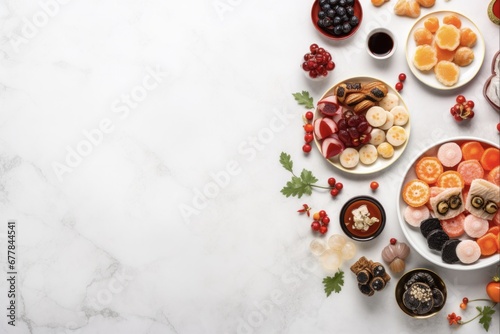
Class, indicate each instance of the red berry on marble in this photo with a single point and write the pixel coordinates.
(306, 148)
(315, 225)
(334, 192)
(339, 186)
(402, 77)
(308, 138)
(393, 241)
(332, 181)
(309, 115)
(323, 229)
(399, 86)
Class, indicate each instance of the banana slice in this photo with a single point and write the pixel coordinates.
(396, 135)
(377, 136)
(349, 157)
(368, 154)
(401, 115)
(376, 116)
(389, 122)
(389, 101)
(385, 150)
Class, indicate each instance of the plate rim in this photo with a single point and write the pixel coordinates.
(438, 85)
(400, 149)
(403, 224)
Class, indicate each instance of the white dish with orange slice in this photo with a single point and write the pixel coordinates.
(445, 50)
(454, 169)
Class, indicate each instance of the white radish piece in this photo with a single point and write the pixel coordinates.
(415, 216)
(401, 115)
(475, 227)
(450, 154)
(377, 136)
(468, 251)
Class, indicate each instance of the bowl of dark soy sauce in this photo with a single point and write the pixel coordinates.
(381, 43)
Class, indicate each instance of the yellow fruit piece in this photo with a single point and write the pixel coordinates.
(431, 24)
(453, 20)
(423, 36)
(385, 150)
(447, 37)
(443, 54)
(447, 72)
(463, 56)
(467, 37)
(425, 57)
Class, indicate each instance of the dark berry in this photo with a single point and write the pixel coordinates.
(350, 11)
(341, 11)
(330, 13)
(337, 20)
(321, 14)
(342, 3)
(346, 28)
(354, 21)
(337, 30)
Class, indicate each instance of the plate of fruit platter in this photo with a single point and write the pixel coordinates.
(448, 203)
(361, 125)
(445, 50)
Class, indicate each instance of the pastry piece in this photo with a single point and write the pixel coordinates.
(429, 225)
(425, 57)
(436, 239)
(371, 276)
(375, 91)
(447, 204)
(482, 199)
(449, 251)
(447, 72)
(354, 98)
(363, 106)
(409, 8)
(422, 277)
(377, 283)
(463, 56)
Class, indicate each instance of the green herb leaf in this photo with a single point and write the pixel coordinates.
(486, 313)
(296, 187)
(286, 161)
(308, 177)
(335, 283)
(304, 99)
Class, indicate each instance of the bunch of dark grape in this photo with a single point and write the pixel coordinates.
(354, 130)
(337, 16)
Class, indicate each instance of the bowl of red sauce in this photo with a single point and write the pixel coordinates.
(362, 218)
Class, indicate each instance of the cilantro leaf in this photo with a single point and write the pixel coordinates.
(296, 187)
(304, 99)
(486, 313)
(308, 177)
(286, 161)
(335, 283)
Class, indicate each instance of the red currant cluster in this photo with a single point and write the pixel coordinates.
(320, 222)
(308, 128)
(318, 62)
(462, 109)
(336, 186)
(399, 85)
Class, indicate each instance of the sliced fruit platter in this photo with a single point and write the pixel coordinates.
(448, 204)
(361, 125)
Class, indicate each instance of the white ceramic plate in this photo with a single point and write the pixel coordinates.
(380, 163)
(467, 73)
(413, 235)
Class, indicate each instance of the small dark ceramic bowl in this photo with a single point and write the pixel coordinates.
(346, 218)
(400, 290)
(358, 11)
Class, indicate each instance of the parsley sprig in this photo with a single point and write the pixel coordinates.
(484, 316)
(298, 185)
(335, 283)
(303, 98)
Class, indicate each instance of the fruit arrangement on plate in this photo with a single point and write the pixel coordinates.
(449, 203)
(361, 125)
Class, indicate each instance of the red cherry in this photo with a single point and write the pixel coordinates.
(339, 186)
(313, 48)
(306, 148)
(325, 220)
(471, 114)
(374, 185)
(332, 181)
(323, 229)
(308, 138)
(334, 192)
(460, 99)
(309, 115)
(399, 86)
(402, 77)
(315, 225)
(470, 104)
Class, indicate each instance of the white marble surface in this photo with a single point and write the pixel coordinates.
(161, 97)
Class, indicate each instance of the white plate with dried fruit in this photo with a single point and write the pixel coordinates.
(361, 125)
(445, 50)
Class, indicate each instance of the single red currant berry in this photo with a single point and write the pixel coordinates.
(305, 67)
(313, 74)
(309, 115)
(323, 229)
(315, 225)
(334, 192)
(321, 51)
(330, 65)
(313, 48)
(452, 111)
(374, 185)
(322, 213)
(306, 148)
(399, 86)
(325, 220)
(458, 118)
(332, 181)
(471, 114)
(393, 241)
(460, 99)
(465, 300)
(339, 186)
(308, 138)
(402, 77)
(458, 318)
(308, 127)
(470, 104)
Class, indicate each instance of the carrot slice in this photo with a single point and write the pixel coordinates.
(450, 179)
(488, 244)
(494, 176)
(454, 227)
(495, 230)
(428, 169)
(472, 150)
(490, 158)
(470, 170)
(416, 193)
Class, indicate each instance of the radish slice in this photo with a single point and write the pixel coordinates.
(470, 170)
(331, 147)
(450, 154)
(475, 227)
(414, 216)
(324, 127)
(468, 251)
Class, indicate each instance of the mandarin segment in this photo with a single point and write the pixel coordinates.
(463, 56)
(447, 72)
(423, 36)
(443, 54)
(467, 37)
(448, 37)
(431, 24)
(425, 57)
(453, 20)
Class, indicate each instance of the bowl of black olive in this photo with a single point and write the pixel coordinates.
(337, 19)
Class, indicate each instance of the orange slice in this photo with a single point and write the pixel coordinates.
(431, 24)
(467, 37)
(448, 37)
(425, 57)
(443, 54)
(453, 20)
(463, 56)
(416, 193)
(490, 158)
(428, 169)
(450, 179)
(447, 72)
(423, 36)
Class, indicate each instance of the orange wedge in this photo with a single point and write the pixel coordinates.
(463, 56)
(453, 20)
